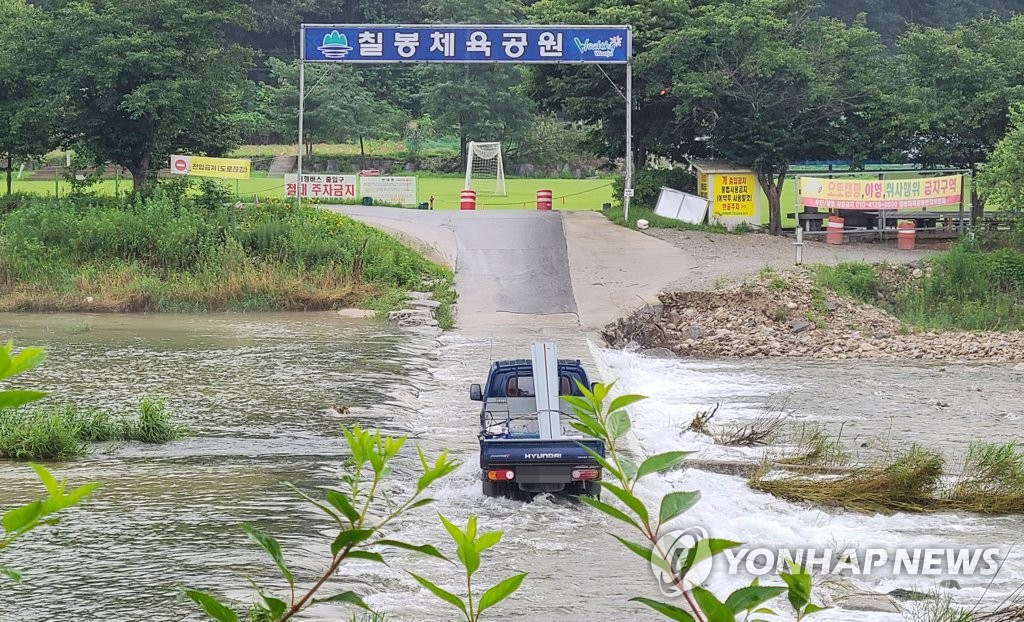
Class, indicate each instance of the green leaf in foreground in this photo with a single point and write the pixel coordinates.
(22, 517)
(675, 503)
(271, 546)
(13, 398)
(349, 537)
(345, 597)
(426, 549)
(610, 510)
(627, 499)
(747, 598)
(661, 462)
(669, 611)
(213, 607)
(501, 591)
(447, 597)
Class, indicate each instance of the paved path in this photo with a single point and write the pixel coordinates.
(524, 267)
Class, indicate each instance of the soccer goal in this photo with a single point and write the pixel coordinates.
(483, 164)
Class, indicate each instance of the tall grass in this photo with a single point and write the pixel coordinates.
(183, 250)
(965, 288)
(64, 431)
(854, 279)
(990, 481)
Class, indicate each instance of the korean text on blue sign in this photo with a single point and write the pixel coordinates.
(346, 43)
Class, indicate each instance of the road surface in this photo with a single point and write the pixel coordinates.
(546, 267)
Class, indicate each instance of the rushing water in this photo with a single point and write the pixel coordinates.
(260, 394)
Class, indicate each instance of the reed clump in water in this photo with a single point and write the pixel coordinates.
(64, 431)
(990, 481)
(759, 432)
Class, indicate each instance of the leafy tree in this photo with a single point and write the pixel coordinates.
(338, 107)
(277, 21)
(891, 18)
(769, 85)
(548, 141)
(594, 95)
(959, 87)
(1001, 179)
(145, 79)
(418, 131)
(26, 111)
(477, 102)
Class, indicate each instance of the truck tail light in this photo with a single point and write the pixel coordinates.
(585, 474)
(501, 475)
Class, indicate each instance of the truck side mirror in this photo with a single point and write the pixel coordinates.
(475, 393)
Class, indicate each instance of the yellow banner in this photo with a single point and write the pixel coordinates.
(202, 166)
(733, 195)
(880, 194)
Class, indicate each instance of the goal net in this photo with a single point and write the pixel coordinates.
(484, 169)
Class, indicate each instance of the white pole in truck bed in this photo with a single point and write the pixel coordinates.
(545, 387)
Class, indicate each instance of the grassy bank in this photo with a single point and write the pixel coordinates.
(62, 432)
(965, 288)
(570, 194)
(185, 251)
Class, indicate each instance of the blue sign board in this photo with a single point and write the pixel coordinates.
(348, 43)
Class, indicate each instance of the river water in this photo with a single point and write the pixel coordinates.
(261, 394)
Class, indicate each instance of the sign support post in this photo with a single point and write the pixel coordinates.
(628, 193)
(302, 106)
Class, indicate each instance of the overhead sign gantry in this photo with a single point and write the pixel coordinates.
(460, 43)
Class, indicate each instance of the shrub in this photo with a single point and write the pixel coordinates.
(647, 184)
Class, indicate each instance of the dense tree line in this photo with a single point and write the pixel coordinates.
(760, 82)
(891, 18)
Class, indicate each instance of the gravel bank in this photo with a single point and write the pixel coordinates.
(786, 315)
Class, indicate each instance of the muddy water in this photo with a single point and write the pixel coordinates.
(259, 394)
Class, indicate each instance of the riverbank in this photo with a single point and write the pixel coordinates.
(787, 314)
(182, 251)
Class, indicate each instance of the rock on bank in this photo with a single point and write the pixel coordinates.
(787, 315)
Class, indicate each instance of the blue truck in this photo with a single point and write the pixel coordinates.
(527, 445)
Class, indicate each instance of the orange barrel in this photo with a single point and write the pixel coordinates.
(544, 200)
(906, 235)
(834, 235)
(467, 199)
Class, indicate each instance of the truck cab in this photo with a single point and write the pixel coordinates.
(527, 445)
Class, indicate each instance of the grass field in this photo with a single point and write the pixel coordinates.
(569, 194)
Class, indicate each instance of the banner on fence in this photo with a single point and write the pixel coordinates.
(398, 190)
(880, 194)
(733, 195)
(202, 166)
(322, 186)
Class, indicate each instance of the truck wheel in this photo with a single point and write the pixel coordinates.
(492, 489)
(592, 489)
